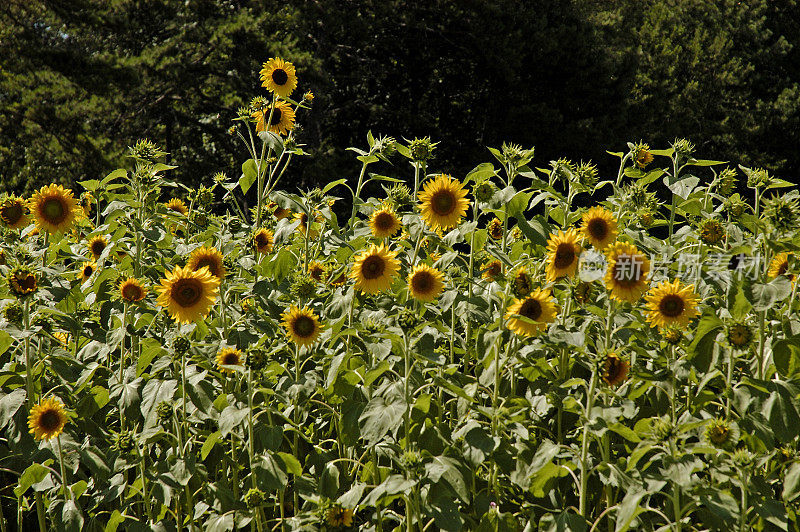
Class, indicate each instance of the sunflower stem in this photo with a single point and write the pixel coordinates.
(674, 198)
(142, 466)
(470, 287)
(762, 317)
(585, 444)
(728, 381)
(416, 180)
(357, 194)
(64, 485)
(260, 165)
(296, 419)
(184, 429)
(743, 511)
(121, 358)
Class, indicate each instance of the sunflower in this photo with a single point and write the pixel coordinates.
(87, 270)
(670, 304)
(131, 290)
(443, 202)
(562, 259)
(779, 266)
(282, 118)
(537, 307)
(599, 227)
(302, 325)
(22, 282)
(177, 205)
(339, 516)
(187, 294)
(384, 223)
(277, 211)
(615, 369)
(96, 245)
(62, 338)
(739, 335)
(210, 258)
(627, 272)
(264, 241)
(522, 283)
(495, 229)
(425, 283)
(47, 419)
(14, 212)
(54, 208)
(336, 279)
(278, 76)
(374, 269)
(316, 270)
(305, 227)
(492, 270)
(229, 356)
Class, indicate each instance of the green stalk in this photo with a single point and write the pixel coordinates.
(470, 277)
(26, 323)
(121, 358)
(144, 486)
(67, 492)
(259, 166)
(295, 415)
(761, 341)
(674, 198)
(416, 180)
(357, 195)
(743, 512)
(728, 380)
(585, 445)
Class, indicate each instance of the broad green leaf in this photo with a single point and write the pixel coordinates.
(33, 474)
(209, 444)
(249, 175)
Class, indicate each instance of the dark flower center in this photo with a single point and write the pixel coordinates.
(598, 228)
(279, 76)
(443, 203)
(303, 326)
(27, 282)
(131, 292)
(54, 210)
(384, 221)
(783, 267)
(87, 271)
(262, 240)
(210, 263)
(671, 306)
(565, 256)
(49, 420)
(531, 309)
(97, 247)
(627, 270)
(12, 213)
(230, 359)
(187, 292)
(373, 267)
(276, 117)
(422, 282)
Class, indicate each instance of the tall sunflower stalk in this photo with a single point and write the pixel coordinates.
(26, 325)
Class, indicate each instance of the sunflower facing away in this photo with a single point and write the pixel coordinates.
(627, 272)
(316, 270)
(54, 208)
(264, 240)
(537, 307)
(96, 246)
(187, 294)
(14, 213)
(671, 304)
(131, 290)
(282, 118)
(599, 227)
(302, 325)
(303, 227)
(177, 205)
(615, 369)
(443, 202)
(384, 223)
(229, 356)
(374, 269)
(87, 270)
(425, 283)
(492, 270)
(278, 76)
(562, 257)
(210, 258)
(339, 516)
(47, 419)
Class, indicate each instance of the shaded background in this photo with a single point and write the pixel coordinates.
(80, 80)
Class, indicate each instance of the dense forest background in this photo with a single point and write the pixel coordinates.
(82, 79)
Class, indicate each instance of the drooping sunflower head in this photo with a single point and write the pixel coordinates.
(443, 202)
(278, 76)
(131, 290)
(87, 270)
(671, 304)
(739, 334)
(492, 270)
(188, 294)
(14, 212)
(22, 281)
(177, 205)
(425, 283)
(711, 231)
(281, 121)
(54, 209)
(641, 155)
(628, 269)
(47, 419)
(562, 258)
(495, 229)
(96, 245)
(384, 223)
(374, 269)
(615, 369)
(779, 266)
(264, 241)
(302, 325)
(316, 270)
(538, 310)
(279, 212)
(339, 517)
(522, 283)
(306, 226)
(229, 356)
(209, 257)
(599, 227)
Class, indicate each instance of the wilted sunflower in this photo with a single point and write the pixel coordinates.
(615, 369)
(492, 270)
(339, 516)
(537, 307)
(87, 270)
(582, 292)
(495, 229)
(443, 202)
(599, 227)
(711, 231)
(316, 270)
(229, 356)
(671, 304)
(187, 294)
(302, 325)
(279, 212)
(522, 283)
(278, 76)
(282, 120)
(131, 290)
(336, 279)
(14, 213)
(47, 419)
(627, 272)
(96, 245)
(562, 259)
(210, 258)
(177, 205)
(22, 282)
(425, 283)
(54, 208)
(374, 269)
(384, 223)
(264, 240)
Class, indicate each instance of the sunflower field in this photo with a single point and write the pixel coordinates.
(525, 347)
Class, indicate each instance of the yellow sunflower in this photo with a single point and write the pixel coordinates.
(443, 202)
(599, 227)
(384, 223)
(522, 283)
(627, 272)
(210, 258)
(302, 325)
(22, 281)
(278, 76)
(492, 270)
(305, 227)
(495, 229)
(264, 240)
(282, 118)
(131, 290)
(779, 266)
(425, 283)
(87, 270)
(671, 305)
(47, 419)
(187, 294)
(54, 208)
(14, 212)
(278, 212)
(177, 205)
(96, 246)
(336, 279)
(339, 516)
(615, 369)
(537, 307)
(316, 270)
(62, 338)
(374, 269)
(562, 259)
(229, 356)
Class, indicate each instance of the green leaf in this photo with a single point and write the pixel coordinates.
(480, 172)
(114, 521)
(10, 404)
(230, 418)
(33, 474)
(382, 414)
(329, 482)
(249, 175)
(704, 162)
(220, 523)
(5, 341)
(764, 296)
(209, 444)
(151, 348)
(628, 509)
(72, 517)
(791, 483)
(683, 186)
(332, 184)
(292, 464)
(786, 355)
(519, 203)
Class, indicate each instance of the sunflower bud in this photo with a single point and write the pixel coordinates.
(782, 211)
(734, 206)
(582, 292)
(742, 457)
(124, 442)
(586, 172)
(711, 231)
(720, 433)
(422, 149)
(200, 219)
(399, 196)
(757, 178)
(726, 181)
(641, 155)
(181, 345)
(562, 169)
(661, 429)
(257, 104)
(672, 335)
(145, 149)
(204, 196)
(256, 358)
(683, 147)
(43, 322)
(522, 283)
(739, 335)
(495, 229)
(308, 96)
(483, 191)
(645, 218)
(254, 498)
(164, 411)
(408, 319)
(372, 326)
(13, 313)
(303, 287)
